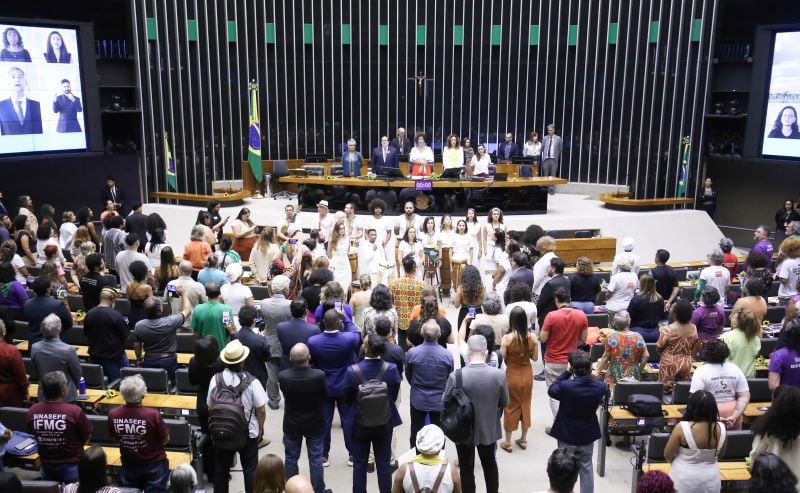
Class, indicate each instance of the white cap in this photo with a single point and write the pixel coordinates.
(628, 244)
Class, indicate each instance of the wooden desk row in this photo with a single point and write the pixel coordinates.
(620, 415)
(113, 458)
(728, 471)
(96, 399)
(83, 352)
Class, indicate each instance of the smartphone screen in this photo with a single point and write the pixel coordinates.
(338, 305)
(471, 311)
(293, 241)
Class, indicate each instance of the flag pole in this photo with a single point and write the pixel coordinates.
(254, 138)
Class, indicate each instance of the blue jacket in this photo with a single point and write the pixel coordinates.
(39, 307)
(333, 352)
(377, 159)
(576, 421)
(290, 333)
(370, 369)
(256, 362)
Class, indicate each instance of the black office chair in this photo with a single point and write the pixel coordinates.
(31, 370)
(596, 352)
(185, 342)
(655, 354)
(93, 374)
(40, 486)
(738, 445)
(21, 330)
(655, 447)
(623, 390)
(100, 433)
(768, 346)
(156, 379)
(76, 336)
(598, 320)
(182, 382)
(14, 418)
(180, 435)
(584, 233)
(280, 169)
(759, 390)
(259, 292)
(680, 392)
(775, 314)
(75, 302)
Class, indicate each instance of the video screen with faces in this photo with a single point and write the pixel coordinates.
(781, 131)
(41, 92)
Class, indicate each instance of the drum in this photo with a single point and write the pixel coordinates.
(445, 283)
(353, 256)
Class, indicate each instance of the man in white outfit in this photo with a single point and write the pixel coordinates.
(372, 258)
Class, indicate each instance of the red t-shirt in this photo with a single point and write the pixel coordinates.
(565, 326)
(730, 262)
(61, 429)
(141, 432)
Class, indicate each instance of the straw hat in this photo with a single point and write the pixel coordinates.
(234, 353)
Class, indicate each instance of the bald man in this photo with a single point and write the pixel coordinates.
(304, 390)
(107, 332)
(195, 292)
(299, 484)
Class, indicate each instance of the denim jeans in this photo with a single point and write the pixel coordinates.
(292, 446)
(380, 440)
(248, 457)
(584, 454)
(148, 477)
(586, 307)
(339, 403)
(466, 465)
(169, 363)
(112, 366)
(63, 473)
(649, 335)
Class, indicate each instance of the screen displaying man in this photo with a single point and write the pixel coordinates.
(18, 114)
(67, 105)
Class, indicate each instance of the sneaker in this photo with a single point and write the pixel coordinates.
(539, 377)
(370, 467)
(325, 461)
(350, 461)
(394, 465)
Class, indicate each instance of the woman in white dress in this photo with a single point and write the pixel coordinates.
(479, 165)
(446, 231)
(494, 220)
(409, 245)
(463, 251)
(694, 446)
(383, 228)
(339, 255)
(532, 147)
(474, 230)
(428, 235)
(261, 256)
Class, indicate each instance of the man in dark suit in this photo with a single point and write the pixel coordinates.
(384, 156)
(67, 106)
(304, 390)
(256, 362)
(136, 222)
(379, 438)
(295, 331)
(401, 142)
(19, 115)
(507, 150)
(575, 426)
(42, 305)
(112, 193)
(333, 352)
(547, 300)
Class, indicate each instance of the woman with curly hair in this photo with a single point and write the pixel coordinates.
(470, 293)
(339, 255)
(429, 311)
(332, 291)
(694, 445)
(319, 277)
(778, 430)
(584, 286)
(244, 234)
(725, 381)
(770, 474)
(380, 305)
(655, 482)
(784, 364)
(84, 219)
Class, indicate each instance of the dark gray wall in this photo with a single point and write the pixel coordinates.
(623, 87)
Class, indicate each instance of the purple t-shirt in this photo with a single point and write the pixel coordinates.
(709, 321)
(765, 247)
(786, 363)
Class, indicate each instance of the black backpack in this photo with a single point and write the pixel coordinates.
(644, 406)
(373, 398)
(457, 418)
(227, 420)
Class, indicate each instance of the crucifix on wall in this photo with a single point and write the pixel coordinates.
(420, 82)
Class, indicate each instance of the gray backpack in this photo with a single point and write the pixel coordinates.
(373, 398)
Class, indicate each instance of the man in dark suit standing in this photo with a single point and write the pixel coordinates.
(507, 150)
(575, 426)
(136, 222)
(112, 193)
(401, 142)
(333, 352)
(379, 438)
(19, 115)
(547, 299)
(294, 331)
(384, 156)
(256, 361)
(304, 391)
(67, 106)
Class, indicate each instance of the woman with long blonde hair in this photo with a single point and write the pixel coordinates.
(339, 255)
(262, 254)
